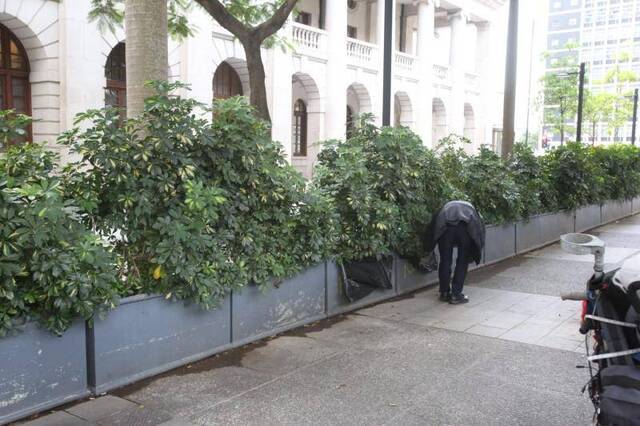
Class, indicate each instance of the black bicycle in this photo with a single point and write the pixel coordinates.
(610, 322)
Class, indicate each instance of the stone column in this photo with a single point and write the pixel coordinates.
(279, 69)
(336, 96)
(490, 111)
(457, 51)
(423, 104)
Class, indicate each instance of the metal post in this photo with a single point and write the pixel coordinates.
(386, 67)
(580, 103)
(508, 127)
(635, 117)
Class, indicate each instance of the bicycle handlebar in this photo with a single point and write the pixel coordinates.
(574, 295)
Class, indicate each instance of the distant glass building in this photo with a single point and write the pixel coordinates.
(603, 30)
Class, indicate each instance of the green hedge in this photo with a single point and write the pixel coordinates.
(53, 269)
(173, 202)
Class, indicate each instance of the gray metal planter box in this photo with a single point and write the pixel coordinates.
(337, 303)
(39, 370)
(147, 335)
(297, 301)
(409, 278)
(543, 229)
(613, 210)
(635, 205)
(500, 243)
(588, 217)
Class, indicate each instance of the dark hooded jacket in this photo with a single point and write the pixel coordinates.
(453, 213)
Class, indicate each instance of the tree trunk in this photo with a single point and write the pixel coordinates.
(593, 134)
(146, 49)
(561, 136)
(257, 79)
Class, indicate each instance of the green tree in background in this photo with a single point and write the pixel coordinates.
(598, 107)
(559, 93)
(620, 78)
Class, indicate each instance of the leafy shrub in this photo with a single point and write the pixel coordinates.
(13, 127)
(490, 187)
(621, 165)
(482, 179)
(574, 178)
(453, 157)
(194, 208)
(385, 186)
(367, 218)
(52, 268)
(531, 182)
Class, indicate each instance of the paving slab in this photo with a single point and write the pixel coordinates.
(139, 415)
(527, 332)
(533, 276)
(505, 320)
(197, 388)
(59, 418)
(618, 239)
(177, 422)
(100, 408)
(287, 353)
(622, 228)
(614, 255)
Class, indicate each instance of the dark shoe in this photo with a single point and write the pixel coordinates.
(458, 299)
(445, 297)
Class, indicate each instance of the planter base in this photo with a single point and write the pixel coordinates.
(147, 335)
(615, 210)
(541, 230)
(500, 243)
(39, 371)
(409, 279)
(297, 301)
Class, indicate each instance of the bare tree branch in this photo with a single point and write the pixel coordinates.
(273, 24)
(224, 18)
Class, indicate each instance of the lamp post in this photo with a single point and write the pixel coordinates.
(386, 67)
(509, 106)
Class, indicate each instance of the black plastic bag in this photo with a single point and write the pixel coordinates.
(372, 272)
(429, 263)
(353, 290)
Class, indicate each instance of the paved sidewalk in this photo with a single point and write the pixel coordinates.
(507, 357)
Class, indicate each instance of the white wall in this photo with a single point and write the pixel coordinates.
(312, 7)
(359, 18)
(442, 43)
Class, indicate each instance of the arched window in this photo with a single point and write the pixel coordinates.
(115, 71)
(350, 123)
(299, 129)
(226, 82)
(14, 74)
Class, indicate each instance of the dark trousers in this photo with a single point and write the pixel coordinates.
(454, 236)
